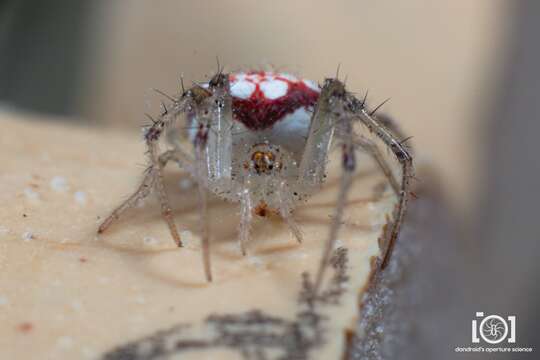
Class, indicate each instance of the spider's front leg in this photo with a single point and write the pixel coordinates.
(153, 178)
(402, 157)
(371, 148)
(337, 109)
(246, 216)
(212, 109)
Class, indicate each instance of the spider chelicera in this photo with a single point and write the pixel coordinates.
(262, 139)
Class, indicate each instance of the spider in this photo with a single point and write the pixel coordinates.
(262, 138)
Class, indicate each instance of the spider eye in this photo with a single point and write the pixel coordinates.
(264, 162)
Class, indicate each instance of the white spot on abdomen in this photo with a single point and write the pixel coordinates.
(242, 89)
(274, 89)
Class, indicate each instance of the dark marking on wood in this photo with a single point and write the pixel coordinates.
(254, 335)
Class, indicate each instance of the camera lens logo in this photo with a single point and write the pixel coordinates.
(493, 329)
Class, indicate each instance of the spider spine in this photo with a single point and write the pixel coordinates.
(378, 107)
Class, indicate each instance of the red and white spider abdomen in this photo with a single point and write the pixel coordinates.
(276, 106)
(262, 99)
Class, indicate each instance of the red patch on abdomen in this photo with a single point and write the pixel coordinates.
(259, 113)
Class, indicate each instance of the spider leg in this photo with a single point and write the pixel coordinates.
(371, 148)
(293, 225)
(203, 212)
(348, 161)
(341, 109)
(285, 210)
(211, 160)
(211, 108)
(166, 211)
(153, 178)
(246, 216)
(142, 191)
(180, 157)
(405, 161)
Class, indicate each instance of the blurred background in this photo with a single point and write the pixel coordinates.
(462, 76)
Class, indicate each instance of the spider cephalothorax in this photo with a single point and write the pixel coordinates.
(262, 139)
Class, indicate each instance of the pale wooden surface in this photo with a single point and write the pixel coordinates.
(67, 294)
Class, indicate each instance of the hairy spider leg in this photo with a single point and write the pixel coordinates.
(338, 108)
(153, 178)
